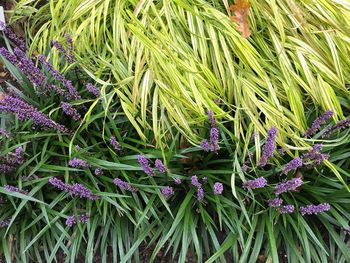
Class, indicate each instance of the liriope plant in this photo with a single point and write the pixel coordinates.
(168, 62)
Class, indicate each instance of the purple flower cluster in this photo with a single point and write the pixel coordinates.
(13, 36)
(195, 182)
(200, 191)
(10, 188)
(6, 168)
(286, 209)
(25, 65)
(84, 218)
(167, 191)
(124, 185)
(19, 154)
(256, 183)
(214, 139)
(115, 144)
(70, 111)
(205, 145)
(211, 118)
(82, 191)
(98, 171)
(68, 55)
(213, 146)
(59, 77)
(290, 185)
(160, 166)
(92, 89)
(316, 125)
(200, 194)
(292, 165)
(145, 165)
(269, 146)
(4, 223)
(70, 221)
(342, 124)
(218, 188)
(314, 209)
(78, 163)
(75, 189)
(59, 47)
(177, 181)
(69, 40)
(315, 156)
(25, 111)
(276, 202)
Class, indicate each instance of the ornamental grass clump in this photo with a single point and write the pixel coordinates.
(190, 202)
(258, 62)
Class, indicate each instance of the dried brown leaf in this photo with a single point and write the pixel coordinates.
(241, 10)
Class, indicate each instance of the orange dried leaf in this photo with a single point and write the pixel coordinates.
(241, 10)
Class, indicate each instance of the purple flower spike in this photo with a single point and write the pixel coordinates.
(269, 146)
(70, 111)
(124, 185)
(167, 191)
(342, 124)
(75, 189)
(160, 166)
(315, 156)
(29, 69)
(82, 191)
(195, 182)
(318, 122)
(25, 111)
(214, 139)
(115, 144)
(211, 118)
(177, 181)
(256, 183)
(290, 185)
(59, 184)
(84, 218)
(98, 171)
(218, 188)
(70, 221)
(205, 145)
(92, 89)
(78, 163)
(276, 202)
(6, 168)
(145, 165)
(292, 165)
(73, 93)
(10, 188)
(13, 36)
(286, 209)
(59, 47)
(69, 40)
(200, 194)
(314, 209)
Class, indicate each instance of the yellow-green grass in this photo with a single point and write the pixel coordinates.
(167, 61)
